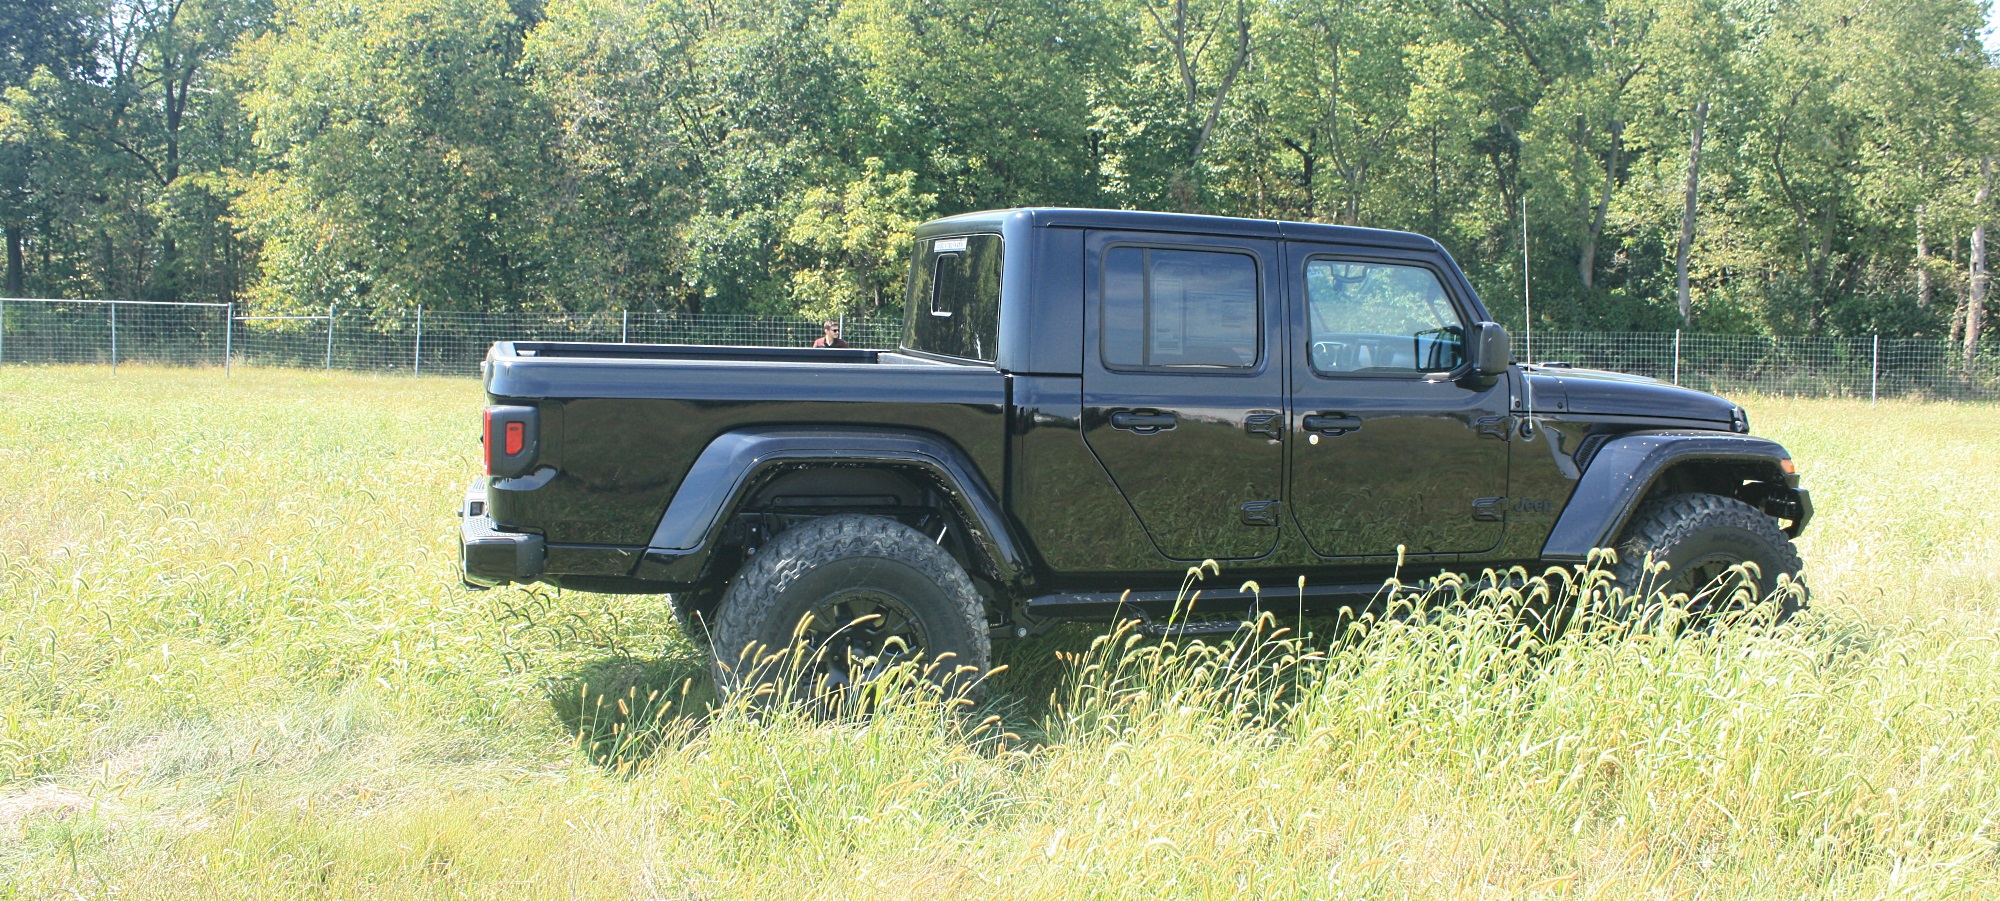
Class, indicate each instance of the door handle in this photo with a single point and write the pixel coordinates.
(1332, 424)
(1143, 423)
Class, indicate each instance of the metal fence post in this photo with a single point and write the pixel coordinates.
(330, 308)
(1874, 369)
(3, 331)
(114, 336)
(228, 337)
(417, 358)
(1677, 356)
(624, 326)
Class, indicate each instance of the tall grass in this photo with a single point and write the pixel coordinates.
(235, 662)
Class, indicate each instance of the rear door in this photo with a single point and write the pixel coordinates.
(1183, 387)
(1392, 445)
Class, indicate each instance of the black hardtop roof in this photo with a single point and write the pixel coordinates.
(1183, 223)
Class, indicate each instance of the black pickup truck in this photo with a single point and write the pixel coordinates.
(1087, 403)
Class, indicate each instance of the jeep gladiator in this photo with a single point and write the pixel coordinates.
(1085, 404)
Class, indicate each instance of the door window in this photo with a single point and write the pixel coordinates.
(1179, 308)
(1381, 319)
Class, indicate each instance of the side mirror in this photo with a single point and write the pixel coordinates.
(1491, 349)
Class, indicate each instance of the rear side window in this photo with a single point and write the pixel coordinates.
(1171, 308)
(954, 305)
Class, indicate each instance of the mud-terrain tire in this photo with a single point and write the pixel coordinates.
(873, 588)
(1699, 537)
(694, 612)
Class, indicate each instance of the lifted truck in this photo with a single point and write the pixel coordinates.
(1087, 403)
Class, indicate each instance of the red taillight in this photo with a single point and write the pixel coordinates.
(509, 436)
(486, 438)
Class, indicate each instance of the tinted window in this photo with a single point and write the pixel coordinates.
(954, 303)
(1179, 308)
(1381, 318)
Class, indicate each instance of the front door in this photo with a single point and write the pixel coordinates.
(1393, 445)
(1183, 387)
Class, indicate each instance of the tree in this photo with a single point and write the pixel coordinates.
(1161, 117)
(1693, 46)
(40, 45)
(686, 129)
(1339, 76)
(990, 103)
(403, 155)
(849, 248)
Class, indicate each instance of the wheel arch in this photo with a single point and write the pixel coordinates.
(743, 466)
(1631, 468)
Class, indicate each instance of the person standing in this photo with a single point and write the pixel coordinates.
(832, 337)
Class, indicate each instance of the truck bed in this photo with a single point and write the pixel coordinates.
(623, 423)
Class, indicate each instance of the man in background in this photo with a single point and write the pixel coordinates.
(832, 337)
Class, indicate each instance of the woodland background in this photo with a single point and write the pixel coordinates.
(1754, 166)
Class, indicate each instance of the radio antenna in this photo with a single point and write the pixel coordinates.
(1527, 289)
(1528, 313)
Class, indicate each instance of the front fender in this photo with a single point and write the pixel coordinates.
(1621, 473)
(735, 462)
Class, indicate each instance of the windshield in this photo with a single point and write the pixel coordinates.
(953, 308)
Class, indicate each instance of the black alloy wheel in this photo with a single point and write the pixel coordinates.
(858, 635)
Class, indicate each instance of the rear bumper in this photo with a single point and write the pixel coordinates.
(489, 555)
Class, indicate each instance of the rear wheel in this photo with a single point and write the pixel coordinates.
(1692, 545)
(830, 606)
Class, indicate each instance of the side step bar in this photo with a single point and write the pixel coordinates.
(1152, 606)
(1165, 613)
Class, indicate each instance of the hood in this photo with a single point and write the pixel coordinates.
(1600, 393)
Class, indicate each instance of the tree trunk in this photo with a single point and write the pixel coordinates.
(1819, 271)
(1688, 215)
(1187, 49)
(1586, 262)
(17, 277)
(1308, 172)
(1957, 314)
(1975, 305)
(1923, 261)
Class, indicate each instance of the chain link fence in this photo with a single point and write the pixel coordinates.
(453, 343)
(1802, 367)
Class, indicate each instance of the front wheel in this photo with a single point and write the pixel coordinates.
(1723, 555)
(830, 605)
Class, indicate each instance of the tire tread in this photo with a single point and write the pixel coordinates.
(1664, 522)
(756, 592)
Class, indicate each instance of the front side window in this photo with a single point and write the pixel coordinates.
(1381, 318)
(1179, 308)
(954, 304)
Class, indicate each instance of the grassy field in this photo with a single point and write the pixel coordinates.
(235, 662)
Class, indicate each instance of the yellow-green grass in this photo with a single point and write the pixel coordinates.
(235, 663)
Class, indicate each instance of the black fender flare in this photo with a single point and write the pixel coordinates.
(1624, 470)
(736, 461)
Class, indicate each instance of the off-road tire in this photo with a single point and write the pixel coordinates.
(1695, 532)
(833, 557)
(694, 612)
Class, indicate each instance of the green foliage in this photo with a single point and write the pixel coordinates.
(684, 131)
(688, 155)
(850, 248)
(398, 134)
(990, 103)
